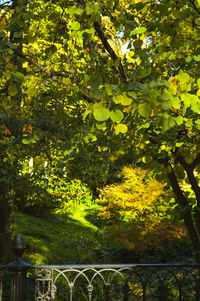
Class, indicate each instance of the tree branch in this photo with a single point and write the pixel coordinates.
(174, 183)
(87, 98)
(195, 187)
(195, 7)
(184, 203)
(196, 161)
(32, 62)
(190, 173)
(107, 46)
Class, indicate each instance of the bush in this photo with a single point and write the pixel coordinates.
(138, 214)
(70, 194)
(137, 196)
(32, 196)
(44, 196)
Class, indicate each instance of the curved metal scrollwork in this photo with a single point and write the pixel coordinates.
(117, 282)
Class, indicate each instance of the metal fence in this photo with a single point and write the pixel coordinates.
(115, 282)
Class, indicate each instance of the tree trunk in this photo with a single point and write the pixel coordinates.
(185, 205)
(6, 223)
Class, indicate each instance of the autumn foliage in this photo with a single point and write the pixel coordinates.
(138, 212)
(135, 196)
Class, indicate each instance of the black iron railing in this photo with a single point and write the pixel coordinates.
(115, 282)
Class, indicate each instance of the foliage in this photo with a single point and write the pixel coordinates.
(147, 236)
(69, 194)
(138, 196)
(154, 102)
(31, 196)
(119, 76)
(44, 196)
(138, 212)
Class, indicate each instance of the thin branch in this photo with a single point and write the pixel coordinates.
(195, 7)
(32, 62)
(191, 177)
(107, 46)
(87, 98)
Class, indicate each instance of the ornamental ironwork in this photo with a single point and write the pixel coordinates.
(117, 282)
(102, 282)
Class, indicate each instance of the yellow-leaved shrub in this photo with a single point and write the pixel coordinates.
(138, 211)
(136, 195)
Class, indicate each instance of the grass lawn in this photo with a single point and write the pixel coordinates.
(60, 240)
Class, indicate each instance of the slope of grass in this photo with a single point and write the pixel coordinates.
(77, 238)
(70, 239)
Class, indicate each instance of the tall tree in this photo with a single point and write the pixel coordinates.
(120, 75)
(152, 101)
(40, 99)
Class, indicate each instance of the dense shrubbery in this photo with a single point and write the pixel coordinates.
(136, 197)
(133, 216)
(51, 195)
(138, 213)
(33, 196)
(69, 194)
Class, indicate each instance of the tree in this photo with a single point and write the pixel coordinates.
(66, 81)
(156, 102)
(39, 94)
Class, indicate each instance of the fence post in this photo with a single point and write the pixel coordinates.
(18, 270)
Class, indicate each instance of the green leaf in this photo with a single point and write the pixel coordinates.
(178, 144)
(138, 31)
(36, 137)
(101, 114)
(75, 11)
(121, 128)
(75, 26)
(101, 126)
(91, 8)
(187, 99)
(109, 90)
(26, 141)
(167, 122)
(144, 109)
(166, 105)
(183, 77)
(66, 81)
(197, 58)
(122, 99)
(116, 116)
(188, 59)
(198, 82)
(132, 94)
(179, 120)
(195, 105)
(17, 77)
(175, 102)
(99, 93)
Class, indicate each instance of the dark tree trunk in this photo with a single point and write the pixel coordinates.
(6, 223)
(189, 221)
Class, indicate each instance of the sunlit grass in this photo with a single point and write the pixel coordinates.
(70, 239)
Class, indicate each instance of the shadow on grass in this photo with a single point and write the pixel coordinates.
(59, 240)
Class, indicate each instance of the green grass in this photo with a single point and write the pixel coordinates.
(81, 237)
(70, 239)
